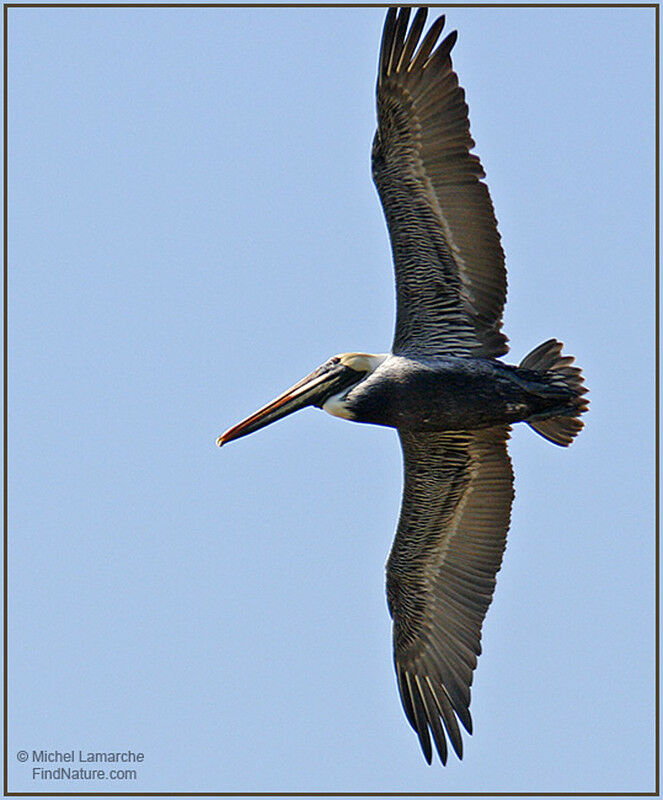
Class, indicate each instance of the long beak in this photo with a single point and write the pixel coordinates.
(314, 389)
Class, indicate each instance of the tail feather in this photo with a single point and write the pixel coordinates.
(559, 427)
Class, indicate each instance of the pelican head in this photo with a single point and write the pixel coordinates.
(325, 388)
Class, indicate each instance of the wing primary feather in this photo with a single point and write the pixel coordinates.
(405, 697)
(427, 44)
(386, 44)
(459, 700)
(458, 693)
(454, 673)
(443, 50)
(433, 717)
(449, 719)
(420, 713)
(412, 38)
(398, 40)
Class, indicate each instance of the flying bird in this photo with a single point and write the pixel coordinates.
(442, 386)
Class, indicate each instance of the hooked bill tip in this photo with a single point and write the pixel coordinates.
(220, 441)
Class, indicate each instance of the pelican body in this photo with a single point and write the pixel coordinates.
(444, 393)
(426, 393)
(442, 386)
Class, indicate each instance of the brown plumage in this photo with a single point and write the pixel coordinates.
(442, 386)
(441, 572)
(450, 293)
(449, 263)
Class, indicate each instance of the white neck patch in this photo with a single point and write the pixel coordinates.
(335, 406)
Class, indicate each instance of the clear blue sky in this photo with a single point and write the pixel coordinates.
(193, 228)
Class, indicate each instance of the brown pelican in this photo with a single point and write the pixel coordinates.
(441, 387)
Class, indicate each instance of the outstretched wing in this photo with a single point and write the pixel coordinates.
(450, 275)
(441, 572)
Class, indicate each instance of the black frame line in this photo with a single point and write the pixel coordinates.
(657, 427)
